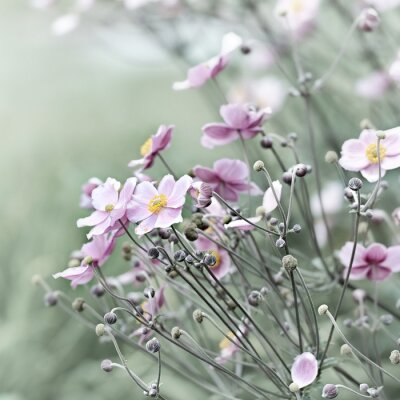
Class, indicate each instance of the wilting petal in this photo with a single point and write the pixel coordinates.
(304, 369)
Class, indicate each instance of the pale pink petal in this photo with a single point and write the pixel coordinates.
(137, 212)
(391, 162)
(199, 75)
(269, 203)
(99, 229)
(368, 136)
(144, 192)
(106, 194)
(230, 42)
(359, 257)
(371, 173)
(351, 163)
(166, 185)
(168, 216)
(225, 264)
(304, 369)
(77, 275)
(93, 219)
(242, 225)
(177, 197)
(358, 273)
(392, 260)
(127, 191)
(147, 225)
(355, 147)
(235, 115)
(392, 141)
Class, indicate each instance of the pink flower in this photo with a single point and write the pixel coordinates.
(95, 254)
(223, 262)
(304, 369)
(109, 205)
(361, 154)
(87, 189)
(228, 178)
(240, 120)
(158, 208)
(374, 85)
(376, 262)
(197, 76)
(229, 347)
(202, 193)
(152, 146)
(268, 205)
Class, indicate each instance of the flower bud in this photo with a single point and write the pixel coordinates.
(395, 357)
(345, 350)
(330, 391)
(323, 309)
(266, 142)
(294, 387)
(386, 319)
(110, 318)
(100, 329)
(355, 184)
(258, 166)
(153, 253)
(359, 295)
(331, 157)
(88, 260)
(74, 262)
(380, 135)
(287, 177)
(78, 304)
(296, 228)
(176, 332)
(374, 392)
(153, 345)
(280, 243)
(210, 260)
(180, 255)
(364, 387)
(198, 316)
(368, 20)
(164, 233)
(50, 299)
(106, 365)
(301, 170)
(289, 263)
(191, 234)
(254, 298)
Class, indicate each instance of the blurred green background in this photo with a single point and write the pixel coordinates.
(71, 108)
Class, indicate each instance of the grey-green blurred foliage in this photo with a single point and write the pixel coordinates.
(72, 108)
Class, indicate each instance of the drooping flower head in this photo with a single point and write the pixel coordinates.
(269, 204)
(304, 369)
(95, 253)
(161, 207)
(87, 189)
(228, 178)
(198, 75)
(240, 121)
(362, 154)
(153, 146)
(110, 203)
(202, 193)
(376, 262)
(222, 265)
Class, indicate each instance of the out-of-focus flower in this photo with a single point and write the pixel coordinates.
(202, 193)
(229, 346)
(268, 205)
(153, 146)
(304, 369)
(374, 85)
(382, 5)
(228, 178)
(297, 15)
(42, 3)
(110, 204)
(394, 70)
(65, 24)
(198, 75)
(362, 155)
(95, 254)
(158, 208)
(240, 120)
(222, 265)
(87, 189)
(260, 57)
(368, 20)
(267, 93)
(396, 216)
(376, 262)
(135, 4)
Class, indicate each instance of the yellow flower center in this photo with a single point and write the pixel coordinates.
(296, 6)
(372, 153)
(157, 203)
(225, 342)
(146, 147)
(217, 256)
(109, 207)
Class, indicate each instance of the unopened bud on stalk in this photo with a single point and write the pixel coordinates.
(97, 290)
(289, 263)
(364, 387)
(106, 365)
(331, 157)
(294, 387)
(176, 333)
(180, 255)
(198, 316)
(191, 234)
(258, 166)
(355, 184)
(368, 20)
(323, 309)
(110, 318)
(330, 391)
(386, 319)
(280, 243)
(296, 228)
(395, 357)
(153, 345)
(345, 350)
(100, 329)
(266, 142)
(78, 304)
(374, 392)
(50, 299)
(301, 170)
(153, 253)
(380, 135)
(254, 298)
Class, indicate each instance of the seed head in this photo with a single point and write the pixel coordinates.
(176, 332)
(395, 357)
(289, 263)
(322, 309)
(258, 166)
(198, 316)
(100, 329)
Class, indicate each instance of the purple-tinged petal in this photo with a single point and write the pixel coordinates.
(359, 256)
(77, 275)
(357, 273)
(220, 133)
(304, 369)
(137, 211)
(378, 273)
(227, 192)
(106, 194)
(206, 174)
(376, 253)
(230, 170)
(198, 75)
(235, 115)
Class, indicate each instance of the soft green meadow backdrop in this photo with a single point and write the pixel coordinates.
(72, 108)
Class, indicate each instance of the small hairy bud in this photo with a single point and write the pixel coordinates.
(289, 263)
(368, 20)
(374, 392)
(254, 298)
(153, 253)
(301, 170)
(100, 329)
(164, 233)
(50, 299)
(280, 243)
(287, 177)
(355, 184)
(36, 279)
(73, 262)
(198, 316)
(322, 309)
(78, 304)
(364, 387)
(180, 255)
(210, 260)
(386, 319)
(191, 234)
(330, 391)
(149, 292)
(296, 228)
(97, 290)
(110, 318)
(395, 357)
(331, 157)
(266, 142)
(294, 387)
(345, 350)
(153, 345)
(258, 166)
(106, 365)
(176, 332)
(380, 135)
